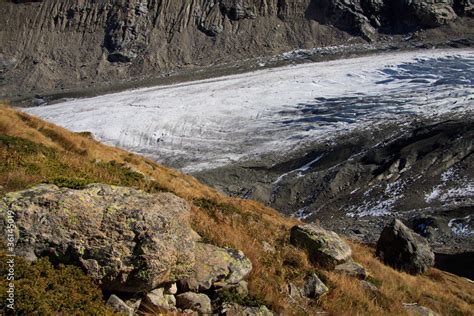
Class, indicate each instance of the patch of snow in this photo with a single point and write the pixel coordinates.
(463, 192)
(381, 208)
(383, 205)
(454, 185)
(448, 175)
(302, 214)
(354, 191)
(434, 195)
(461, 227)
(300, 170)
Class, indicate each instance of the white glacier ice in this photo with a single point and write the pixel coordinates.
(203, 124)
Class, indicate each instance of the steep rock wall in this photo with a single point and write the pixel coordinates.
(57, 44)
(50, 45)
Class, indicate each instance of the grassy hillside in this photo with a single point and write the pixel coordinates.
(33, 151)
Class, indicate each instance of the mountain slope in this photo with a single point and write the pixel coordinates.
(33, 151)
(53, 46)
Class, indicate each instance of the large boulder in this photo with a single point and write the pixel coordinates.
(403, 249)
(128, 240)
(464, 7)
(423, 13)
(325, 248)
(216, 267)
(347, 15)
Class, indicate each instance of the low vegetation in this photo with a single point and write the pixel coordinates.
(34, 152)
(42, 289)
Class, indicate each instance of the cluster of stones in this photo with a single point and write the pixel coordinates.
(325, 250)
(215, 269)
(133, 242)
(398, 246)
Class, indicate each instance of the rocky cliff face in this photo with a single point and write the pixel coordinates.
(52, 45)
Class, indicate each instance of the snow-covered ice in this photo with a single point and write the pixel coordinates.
(461, 227)
(203, 124)
(454, 186)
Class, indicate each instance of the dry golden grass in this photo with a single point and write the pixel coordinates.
(80, 152)
(225, 221)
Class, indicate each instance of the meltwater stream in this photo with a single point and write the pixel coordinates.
(205, 124)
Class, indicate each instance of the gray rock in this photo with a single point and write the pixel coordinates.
(128, 240)
(197, 302)
(314, 287)
(465, 8)
(119, 306)
(238, 9)
(428, 13)
(294, 291)
(134, 303)
(242, 288)
(347, 15)
(236, 309)
(325, 248)
(352, 269)
(210, 19)
(403, 249)
(418, 310)
(127, 32)
(160, 301)
(171, 300)
(171, 289)
(216, 267)
(369, 287)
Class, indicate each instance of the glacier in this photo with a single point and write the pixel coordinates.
(209, 123)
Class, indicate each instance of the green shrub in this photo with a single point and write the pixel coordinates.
(24, 164)
(231, 295)
(374, 281)
(71, 183)
(42, 289)
(23, 147)
(127, 176)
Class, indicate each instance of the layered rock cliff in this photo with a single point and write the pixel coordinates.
(56, 44)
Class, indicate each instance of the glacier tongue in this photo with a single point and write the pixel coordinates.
(204, 124)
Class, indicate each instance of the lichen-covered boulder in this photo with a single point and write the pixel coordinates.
(403, 249)
(126, 239)
(216, 267)
(325, 248)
